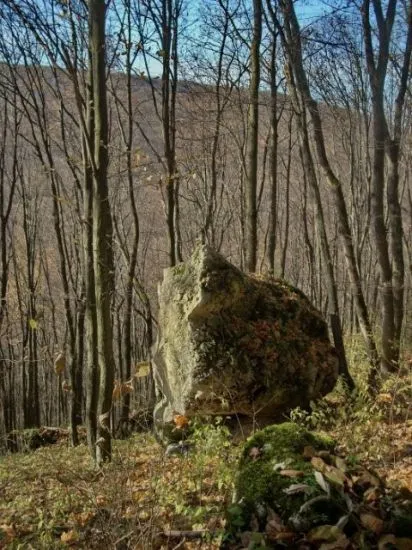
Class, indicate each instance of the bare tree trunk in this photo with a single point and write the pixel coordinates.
(253, 134)
(271, 248)
(389, 252)
(292, 41)
(102, 229)
(92, 367)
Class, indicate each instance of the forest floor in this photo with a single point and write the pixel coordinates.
(54, 497)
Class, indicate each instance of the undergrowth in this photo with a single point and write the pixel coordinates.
(54, 498)
(368, 427)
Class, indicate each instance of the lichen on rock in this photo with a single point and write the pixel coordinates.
(230, 343)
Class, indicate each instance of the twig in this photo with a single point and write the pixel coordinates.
(187, 534)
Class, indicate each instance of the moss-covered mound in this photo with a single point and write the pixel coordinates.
(292, 491)
(276, 473)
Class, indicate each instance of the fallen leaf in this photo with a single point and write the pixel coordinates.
(321, 481)
(281, 465)
(339, 544)
(116, 390)
(101, 500)
(254, 453)
(297, 488)
(327, 533)
(274, 525)
(373, 523)
(69, 537)
(292, 473)
(384, 398)
(403, 544)
(367, 480)
(319, 464)
(285, 536)
(144, 515)
(122, 388)
(340, 464)
(371, 495)
(335, 476)
(83, 518)
(9, 530)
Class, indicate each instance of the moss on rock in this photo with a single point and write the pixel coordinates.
(234, 344)
(272, 462)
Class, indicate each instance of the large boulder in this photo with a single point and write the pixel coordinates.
(230, 343)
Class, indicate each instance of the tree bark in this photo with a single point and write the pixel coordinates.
(253, 133)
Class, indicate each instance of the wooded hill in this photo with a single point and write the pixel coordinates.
(328, 193)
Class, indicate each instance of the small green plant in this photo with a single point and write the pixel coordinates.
(206, 478)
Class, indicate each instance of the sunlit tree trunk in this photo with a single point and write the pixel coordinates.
(102, 229)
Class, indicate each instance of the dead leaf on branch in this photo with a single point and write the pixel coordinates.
(122, 388)
(180, 421)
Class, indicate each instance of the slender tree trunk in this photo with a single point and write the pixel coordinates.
(253, 135)
(271, 248)
(292, 41)
(103, 263)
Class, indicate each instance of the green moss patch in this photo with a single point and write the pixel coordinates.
(274, 473)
